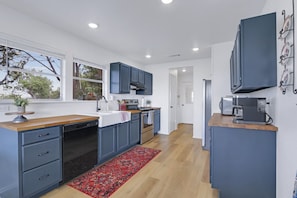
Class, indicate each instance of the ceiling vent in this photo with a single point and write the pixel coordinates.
(174, 55)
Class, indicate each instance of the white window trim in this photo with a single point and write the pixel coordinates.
(23, 44)
(88, 63)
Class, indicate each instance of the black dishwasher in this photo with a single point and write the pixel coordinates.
(80, 148)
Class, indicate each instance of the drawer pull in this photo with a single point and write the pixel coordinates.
(43, 135)
(42, 154)
(43, 177)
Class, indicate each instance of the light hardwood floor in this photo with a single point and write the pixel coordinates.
(181, 170)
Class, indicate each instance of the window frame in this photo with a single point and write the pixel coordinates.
(21, 44)
(94, 65)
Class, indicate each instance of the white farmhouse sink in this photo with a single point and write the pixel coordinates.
(107, 118)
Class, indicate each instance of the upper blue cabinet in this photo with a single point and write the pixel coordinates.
(119, 78)
(122, 76)
(148, 85)
(253, 62)
(137, 78)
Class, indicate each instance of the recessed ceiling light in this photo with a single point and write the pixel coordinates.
(184, 70)
(195, 49)
(93, 25)
(166, 1)
(148, 56)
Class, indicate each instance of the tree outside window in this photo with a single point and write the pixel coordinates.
(30, 74)
(87, 82)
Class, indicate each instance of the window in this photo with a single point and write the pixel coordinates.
(87, 81)
(31, 74)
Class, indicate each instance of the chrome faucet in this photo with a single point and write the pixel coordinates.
(97, 100)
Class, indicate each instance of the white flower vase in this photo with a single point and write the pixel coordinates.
(21, 109)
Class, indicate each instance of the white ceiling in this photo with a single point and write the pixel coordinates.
(133, 28)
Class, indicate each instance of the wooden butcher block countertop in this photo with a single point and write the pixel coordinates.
(219, 120)
(134, 111)
(46, 122)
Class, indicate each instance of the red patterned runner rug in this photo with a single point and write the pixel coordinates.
(102, 181)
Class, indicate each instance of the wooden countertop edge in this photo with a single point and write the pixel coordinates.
(38, 123)
(134, 111)
(219, 120)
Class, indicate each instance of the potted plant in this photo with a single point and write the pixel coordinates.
(21, 103)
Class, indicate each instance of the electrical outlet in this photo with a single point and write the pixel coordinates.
(4, 108)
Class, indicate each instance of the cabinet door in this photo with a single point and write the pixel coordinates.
(141, 77)
(247, 158)
(107, 142)
(123, 136)
(119, 78)
(134, 75)
(124, 79)
(148, 80)
(37, 154)
(156, 121)
(148, 84)
(255, 64)
(40, 178)
(235, 65)
(134, 131)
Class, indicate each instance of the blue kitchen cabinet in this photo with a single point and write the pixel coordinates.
(123, 130)
(243, 162)
(157, 120)
(134, 75)
(31, 161)
(135, 129)
(137, 77)
(148, 85)
(253, 62)
(141, 77)
(107, 143)
(119, 78)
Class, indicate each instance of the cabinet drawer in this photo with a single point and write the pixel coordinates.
(40, 135)
(135, 116)
(40, 178)
(40, 153)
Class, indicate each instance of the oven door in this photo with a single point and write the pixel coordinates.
(147, 126)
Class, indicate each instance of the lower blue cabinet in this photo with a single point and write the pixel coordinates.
(107, 143)
(135, 129)
(157, 120)
(31, 162)
(115, 139)
(123, 136)
(40, 178)
(243, 162)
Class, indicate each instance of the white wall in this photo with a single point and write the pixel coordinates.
(285, 113)
(220, 73)
(282, 108)
(21, 28)
(160, 96)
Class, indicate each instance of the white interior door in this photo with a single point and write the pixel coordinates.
(172, 102)
(186, 102)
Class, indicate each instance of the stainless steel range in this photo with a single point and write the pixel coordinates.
(147, 119)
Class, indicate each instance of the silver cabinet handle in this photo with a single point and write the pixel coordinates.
(43, 177)
(42, 135)
(42, 154)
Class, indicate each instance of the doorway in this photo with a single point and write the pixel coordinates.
(172, 100)
(181, 96)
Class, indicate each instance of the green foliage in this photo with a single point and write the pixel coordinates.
(16, 79)
(37, 86)
(19, 101)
